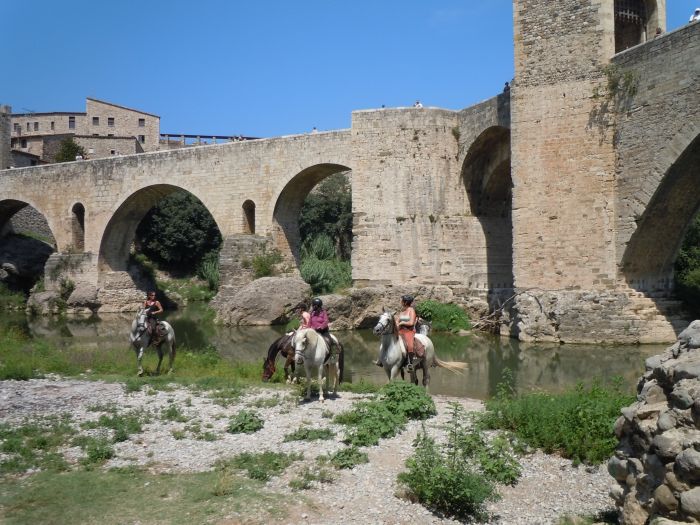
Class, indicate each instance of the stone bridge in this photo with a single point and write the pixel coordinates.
(565, 195)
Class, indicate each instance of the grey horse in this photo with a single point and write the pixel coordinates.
(140, 339)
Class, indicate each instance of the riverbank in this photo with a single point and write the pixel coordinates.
(184, 433)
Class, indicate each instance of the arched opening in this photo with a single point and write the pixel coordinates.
(78, 227)
(249, 217)
(312, 224)
(635, 22)
(648, 261)
(167, 223)
(487, 180)
(26, 242)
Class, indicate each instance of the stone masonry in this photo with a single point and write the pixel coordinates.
(552, 194)
(5, 160)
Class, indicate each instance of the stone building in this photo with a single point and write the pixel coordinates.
(103, 130)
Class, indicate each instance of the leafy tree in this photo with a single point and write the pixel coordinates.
(328, 211)
(69, 149)
(687, 268)
(178, 232)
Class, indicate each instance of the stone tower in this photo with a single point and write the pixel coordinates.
(5, 130)
(563, 156)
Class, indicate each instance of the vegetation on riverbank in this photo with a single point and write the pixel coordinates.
(443, 317)
(577, 424)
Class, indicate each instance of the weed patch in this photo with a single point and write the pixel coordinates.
(245, 422)
(443, 317)
(309, 476)
(310, 434)
(260, 466)
(34, 444)
(348, 457)
(578, 423)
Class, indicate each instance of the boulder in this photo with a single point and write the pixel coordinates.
(265, 301)
(43, 303)
(84, 298)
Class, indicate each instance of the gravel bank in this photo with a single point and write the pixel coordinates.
(549, 488)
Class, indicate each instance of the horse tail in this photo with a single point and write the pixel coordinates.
(173, 348)
(452, 366)
(341, 362)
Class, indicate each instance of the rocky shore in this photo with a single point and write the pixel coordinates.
(550, 487)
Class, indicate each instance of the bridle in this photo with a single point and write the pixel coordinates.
(300, 349)
(386, 322)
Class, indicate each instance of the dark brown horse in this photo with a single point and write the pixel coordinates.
(282, 346)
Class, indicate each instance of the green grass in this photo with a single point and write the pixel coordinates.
(577, 423)
(348, 457)
(310, 475)
(33, 444)
(10, 300)
(122, 425)
(130, 495)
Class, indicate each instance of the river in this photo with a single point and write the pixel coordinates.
(540, 366)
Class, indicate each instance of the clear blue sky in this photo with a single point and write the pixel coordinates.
(259, 67)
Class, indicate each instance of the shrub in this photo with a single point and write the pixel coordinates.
(578, 423)
(264, 264)
(443, 483)
(245, 422)
(444, 317)
(408, 399)
(326, 275)
(209, 270)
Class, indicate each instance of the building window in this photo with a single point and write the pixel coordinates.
(36, 126)
(142, 122)
(23, 144)
(110, 134)
(110, 122)
(53, 125)
(71, 122)
(95, 121)
(112, 152)
(17, 127)
(142, 139)
(29, 126)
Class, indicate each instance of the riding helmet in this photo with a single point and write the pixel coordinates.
(317, 302)
(408, 299)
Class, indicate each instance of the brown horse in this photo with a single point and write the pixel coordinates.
(282, 346)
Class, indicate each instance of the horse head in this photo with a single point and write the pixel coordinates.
(299, 342)
(385, 325)
(268, 369)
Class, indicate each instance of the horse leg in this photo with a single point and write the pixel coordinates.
(139, 357)
(171, 362)
(160, 357)
(307, 369)
(426, 375)
(336, 380)
(320, 383)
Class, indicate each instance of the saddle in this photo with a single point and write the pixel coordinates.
(418, 348)
(159, 334)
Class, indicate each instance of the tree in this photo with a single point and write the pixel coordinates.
(687, 268)
(328, 211)
(68, 150)
(178, 233)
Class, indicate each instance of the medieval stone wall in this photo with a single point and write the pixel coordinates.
(656, 197)
(5, 160)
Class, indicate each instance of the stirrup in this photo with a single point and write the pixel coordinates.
(409, 365)
(378, 363)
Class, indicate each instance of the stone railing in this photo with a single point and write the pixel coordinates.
(657, 463)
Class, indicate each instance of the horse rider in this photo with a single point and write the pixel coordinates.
(318, 320)
(406, 323)
(304, 315)
(153, 308)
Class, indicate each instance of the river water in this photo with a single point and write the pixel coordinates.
(541, 366)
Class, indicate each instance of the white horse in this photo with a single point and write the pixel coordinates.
(392, 352)
(140, 339)
(311, 350)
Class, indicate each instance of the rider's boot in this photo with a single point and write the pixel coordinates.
(378, 363)
(409, 363)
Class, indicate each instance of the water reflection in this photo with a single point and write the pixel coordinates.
(544, 367)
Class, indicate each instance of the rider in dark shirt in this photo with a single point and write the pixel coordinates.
(153, 308)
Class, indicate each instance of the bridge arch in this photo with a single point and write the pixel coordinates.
(78, 226)
(9, 207)
(120, 230)
(649, 256)
(486, 176)
(285, 217)
(248, 209)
